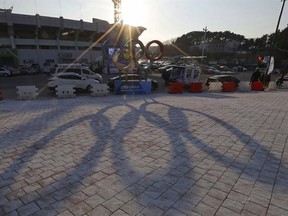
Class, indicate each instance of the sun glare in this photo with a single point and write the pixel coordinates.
(133, 12)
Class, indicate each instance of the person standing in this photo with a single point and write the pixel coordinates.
(256, 76)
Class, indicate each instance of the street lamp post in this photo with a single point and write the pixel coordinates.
(204, 41)
(274, 37)
(270, 63)
(278, 23)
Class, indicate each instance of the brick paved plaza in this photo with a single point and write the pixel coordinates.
(158, 154)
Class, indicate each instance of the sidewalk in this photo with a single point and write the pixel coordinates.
(158, 154)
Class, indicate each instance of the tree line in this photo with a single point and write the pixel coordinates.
(252, 47)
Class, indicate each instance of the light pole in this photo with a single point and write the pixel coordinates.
(278, 23)
(274, 38)
(204, 41)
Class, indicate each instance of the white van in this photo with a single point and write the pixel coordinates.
(80, 69)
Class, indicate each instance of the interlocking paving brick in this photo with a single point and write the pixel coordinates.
(173, 212)
(222, 211)
(233, 205)
(100, 210)
(255, 208)
(211, 201)
(120, 213)
(28, 209)
(66, 213)
(113, 204)
(80, 209)
(204, 209)
(218, 194)
(274, 210)
(132, 208)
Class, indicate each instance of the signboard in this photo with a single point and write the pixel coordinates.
(185, 75)
(132, 87)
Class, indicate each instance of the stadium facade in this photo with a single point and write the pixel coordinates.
(35, 39)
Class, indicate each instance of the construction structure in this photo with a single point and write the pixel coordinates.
(117, 11)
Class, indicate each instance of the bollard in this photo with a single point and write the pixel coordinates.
(195, 87)
(215, 87)
(244, 87)
(229, 87)
(175, 88)
(257, 86)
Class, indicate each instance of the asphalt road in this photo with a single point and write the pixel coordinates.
(9, 91)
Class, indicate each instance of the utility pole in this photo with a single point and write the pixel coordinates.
(204, 41)
(274, 37)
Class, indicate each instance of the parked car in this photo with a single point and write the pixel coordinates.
(239, 69)
(47, 68)
(131, 78)
(26, 70)
(14, 71)
(36, 67)
(163, 69)
(80, 83)
(79, 69)
(5, 72)
(222, 78)
(213, 70)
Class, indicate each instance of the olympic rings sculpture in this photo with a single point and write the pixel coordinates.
(132, 53)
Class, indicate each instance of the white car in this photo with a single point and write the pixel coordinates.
(79, 69)
(5, 72)
(74, 79)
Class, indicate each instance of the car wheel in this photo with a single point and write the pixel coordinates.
(89, 89)
(5, 74)
(54, 89)
(154, 86)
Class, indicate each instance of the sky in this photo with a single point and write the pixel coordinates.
(168, 19)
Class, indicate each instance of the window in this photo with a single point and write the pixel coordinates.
(69, 76)
(74, 70)
(87, 72)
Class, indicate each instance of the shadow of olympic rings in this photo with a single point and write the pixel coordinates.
(246, 140)
(101, 124)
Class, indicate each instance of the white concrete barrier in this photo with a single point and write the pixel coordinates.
(65, 91)
(272, 86)
(100, 90)
(27, 92)
(244, 86)
(215, 87)
(285, 85)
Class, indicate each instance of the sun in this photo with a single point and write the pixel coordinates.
(133, 12)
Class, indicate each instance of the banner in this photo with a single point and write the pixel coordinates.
(271, 65)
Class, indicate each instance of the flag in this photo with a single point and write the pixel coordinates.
(271, 65)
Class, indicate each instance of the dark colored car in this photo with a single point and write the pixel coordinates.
(131, 77)
(26, 70)
(222, 78)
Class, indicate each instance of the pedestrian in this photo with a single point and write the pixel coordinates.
(280, 80)
(256, 76)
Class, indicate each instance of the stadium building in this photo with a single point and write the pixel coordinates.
(35, 39)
